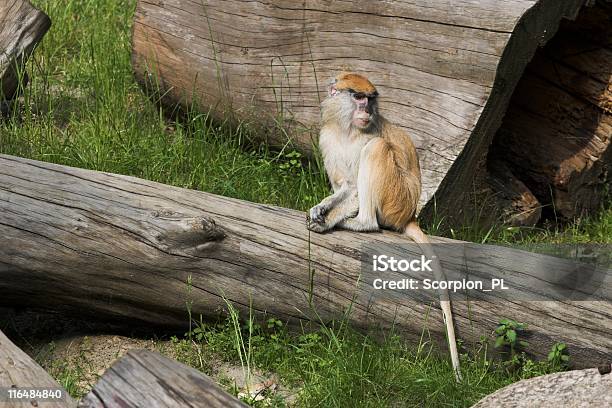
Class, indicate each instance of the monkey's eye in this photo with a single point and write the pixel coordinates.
(359, 96)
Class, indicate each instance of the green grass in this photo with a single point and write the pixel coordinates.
(336, 366)
(84, 109)
(594, 228)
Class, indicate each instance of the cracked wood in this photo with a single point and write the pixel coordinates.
(124, 249)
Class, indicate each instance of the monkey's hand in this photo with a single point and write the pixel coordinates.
(314, 226)
(317, 213)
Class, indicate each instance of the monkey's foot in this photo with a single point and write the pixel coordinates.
(358, 225)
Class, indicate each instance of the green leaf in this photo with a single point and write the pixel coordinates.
(499, 342)
(511, 335)
(523, 343)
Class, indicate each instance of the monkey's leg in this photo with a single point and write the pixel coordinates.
(347, 208)
(369, 178)
(317, 213)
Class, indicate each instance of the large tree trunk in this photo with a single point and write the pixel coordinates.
(19, 371)
(22, 27)
(121, 248)
(446, 73)
(144, 378)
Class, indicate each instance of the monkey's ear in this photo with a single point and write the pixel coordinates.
(332, 91)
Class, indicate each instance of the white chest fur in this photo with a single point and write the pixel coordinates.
(341, 155)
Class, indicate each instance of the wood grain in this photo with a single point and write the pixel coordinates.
(143, 378)
(22, 26)
(120, 248)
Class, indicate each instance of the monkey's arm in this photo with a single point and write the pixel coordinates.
(345, 208)
(318, 212)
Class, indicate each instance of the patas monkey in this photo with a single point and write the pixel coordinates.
(374, 171)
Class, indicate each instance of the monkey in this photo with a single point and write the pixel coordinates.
(374, 171)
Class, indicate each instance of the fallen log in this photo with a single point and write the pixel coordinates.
(446, 74)
(20, 373)
(144, 378)
(121, 248)
(23, 26)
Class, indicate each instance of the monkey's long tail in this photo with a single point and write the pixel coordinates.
(414, 232)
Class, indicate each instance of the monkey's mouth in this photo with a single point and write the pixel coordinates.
(362, 121)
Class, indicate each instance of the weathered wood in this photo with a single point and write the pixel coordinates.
(18, 370)
(22, 26)
(557, 132)
(506, 198)
(445, 69)
(144, 378)
(122, 248)
(580, 388)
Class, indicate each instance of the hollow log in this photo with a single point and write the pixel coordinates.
(143, 378)
(20, 372)
(23, 26)
(446, 73)
(557, 133)
(124, 249)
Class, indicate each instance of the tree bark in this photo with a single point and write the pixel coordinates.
(129, 250)
(446, 73)
(23, 26)
(18, 370)
(144, 378)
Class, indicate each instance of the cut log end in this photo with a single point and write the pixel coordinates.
(555, 139)
(144, 378)
(23, 26)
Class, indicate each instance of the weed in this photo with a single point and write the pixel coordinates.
(507, 335)
(558, 356)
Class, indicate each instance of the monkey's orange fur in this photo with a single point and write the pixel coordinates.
(355, 82)
(395, 178)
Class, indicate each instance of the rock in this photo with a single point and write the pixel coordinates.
(578, 388)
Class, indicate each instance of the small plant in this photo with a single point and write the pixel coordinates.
(291, 163)
(558, 356)
(507, 335)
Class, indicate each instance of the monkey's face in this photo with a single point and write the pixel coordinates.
(364, 109)
(352, 102)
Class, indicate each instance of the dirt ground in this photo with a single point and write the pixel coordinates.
(88, 349)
